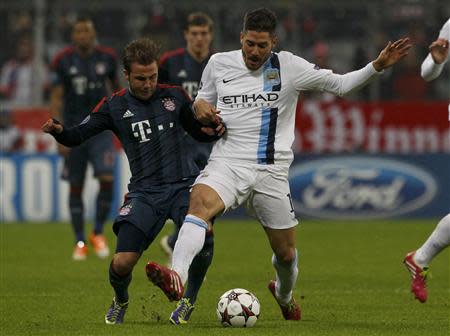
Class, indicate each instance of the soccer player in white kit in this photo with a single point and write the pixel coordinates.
(417, 261)
(255, 92)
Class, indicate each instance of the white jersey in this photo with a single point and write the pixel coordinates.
(259, 106)
(431, 70)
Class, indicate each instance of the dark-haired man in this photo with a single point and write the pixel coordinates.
(256, 92)
(82, 74)
(150, 121)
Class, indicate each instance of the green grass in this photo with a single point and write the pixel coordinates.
(351, 282)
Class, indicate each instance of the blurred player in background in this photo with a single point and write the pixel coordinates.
(417, 261)
(83, 74)
(150, 121)
(184, 67)
(256, 92)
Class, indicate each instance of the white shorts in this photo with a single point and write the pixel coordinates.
(263, 188)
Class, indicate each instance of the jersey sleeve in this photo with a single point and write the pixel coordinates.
(429, 69)
(308, 76)
(207, 89)
(96, 122)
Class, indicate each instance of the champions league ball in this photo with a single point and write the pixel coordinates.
(238, 308)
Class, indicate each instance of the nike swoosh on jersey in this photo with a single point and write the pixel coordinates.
(228, 80)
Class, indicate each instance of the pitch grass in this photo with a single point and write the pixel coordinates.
(351, 282)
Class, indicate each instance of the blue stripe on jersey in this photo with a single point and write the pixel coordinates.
(269, 116)
(266, 145)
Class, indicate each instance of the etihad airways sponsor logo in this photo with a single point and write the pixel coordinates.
(360, 188)
(250, 100)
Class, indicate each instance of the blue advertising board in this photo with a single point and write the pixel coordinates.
(322, 186)
(370, 186)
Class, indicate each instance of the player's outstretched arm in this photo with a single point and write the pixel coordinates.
(392, 53)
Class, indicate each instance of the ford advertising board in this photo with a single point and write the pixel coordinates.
(362, 187)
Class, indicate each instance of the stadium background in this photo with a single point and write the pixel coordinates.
(399, 116)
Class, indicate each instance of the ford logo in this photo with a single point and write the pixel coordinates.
(359, 188)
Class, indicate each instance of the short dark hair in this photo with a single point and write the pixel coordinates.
(260, 20)
(199, 19)
(83, 19)
(142, 51)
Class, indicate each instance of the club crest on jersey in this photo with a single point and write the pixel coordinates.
(100, 68)
(169, 104)
(73, 70)
(272, 76)
(125, 210)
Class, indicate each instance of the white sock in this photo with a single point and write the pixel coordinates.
(190, 242)
(286, 279)
(438, 240)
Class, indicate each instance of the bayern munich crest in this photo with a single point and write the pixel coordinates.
(125, 210)
(100, 68)
(169, 104)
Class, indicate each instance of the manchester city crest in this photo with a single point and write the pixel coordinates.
(272, 76)
(169, 104)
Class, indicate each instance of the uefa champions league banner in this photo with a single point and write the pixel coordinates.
(31, 188)
(370, 186)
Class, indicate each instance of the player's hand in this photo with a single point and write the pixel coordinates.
(392, 53)
(439, 50)
(218, 129)
(205, 112)
(52, 126)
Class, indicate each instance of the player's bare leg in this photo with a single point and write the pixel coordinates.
(417, 261)
(204, 204)
(120, 277)
(284, 260)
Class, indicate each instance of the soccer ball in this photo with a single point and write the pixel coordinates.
(238, 308)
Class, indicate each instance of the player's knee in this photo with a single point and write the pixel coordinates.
(75, 195)
(286, 256)
(106, 190)
(123, 263)
(197, 207)
(105, 178)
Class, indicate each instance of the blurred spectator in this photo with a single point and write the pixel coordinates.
(157, 26)
(10, 137)
(320, 57)
(19, 75)
(407, 83)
